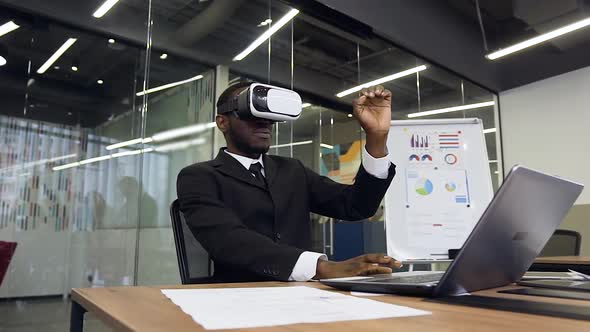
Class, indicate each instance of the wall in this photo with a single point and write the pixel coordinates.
(545, 126)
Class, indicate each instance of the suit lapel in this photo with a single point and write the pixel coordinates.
(270, 170)
(229, 166)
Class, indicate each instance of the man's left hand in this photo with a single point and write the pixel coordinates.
(373, 110)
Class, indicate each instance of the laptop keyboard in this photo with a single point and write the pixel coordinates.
(417, 279)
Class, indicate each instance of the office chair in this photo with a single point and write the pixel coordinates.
(562, 243)
(187, 247)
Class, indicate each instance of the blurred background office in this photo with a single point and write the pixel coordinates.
(103, 102)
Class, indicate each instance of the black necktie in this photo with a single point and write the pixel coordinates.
(256, 170)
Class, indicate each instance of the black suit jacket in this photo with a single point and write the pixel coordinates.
(255, 233)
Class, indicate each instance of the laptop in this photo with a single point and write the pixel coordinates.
(511, 232)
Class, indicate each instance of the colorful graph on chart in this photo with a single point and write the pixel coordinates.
(450, 186)
(426, 157)
(419, 141)
(424, 187)
(451, 159)
(414, 157)
(449, 141)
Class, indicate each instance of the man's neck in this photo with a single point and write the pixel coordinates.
(240, 153)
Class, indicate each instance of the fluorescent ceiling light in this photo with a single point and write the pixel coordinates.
(111, 41)
(164, 56)
(180, 145)
(451, 109)
(327, 146)
(381, 80)
(8, 27)
(130, 142)
(2, 61)
(166, 135)
(274, 28)
(291, 144)
(489, 130)
(38, 162)
(100, 81)
(304, 105)
(131, 153)
(168, 86)
(101, 158)
(539, 39)
(56, 55)
(66, 166)
(93, 160)
(104, 8)
(182, 131)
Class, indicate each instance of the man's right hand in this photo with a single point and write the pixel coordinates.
(358, 266)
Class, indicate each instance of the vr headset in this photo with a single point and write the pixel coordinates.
(265, 102)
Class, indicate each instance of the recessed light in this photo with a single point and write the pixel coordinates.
(74, 68)
(104, 8)
(56, 67)
(350, 115)
(164, 56)
(168, 86)
(100, 81)
(61, 50)
(2, 61)
(8, 27)
(539, 39)
(275, 27)
(381, 80)
(111, 41)
(452, 109)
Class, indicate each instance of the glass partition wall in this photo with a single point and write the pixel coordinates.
(92, 144)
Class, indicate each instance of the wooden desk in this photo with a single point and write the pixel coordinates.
(562, 263)
(147, 309)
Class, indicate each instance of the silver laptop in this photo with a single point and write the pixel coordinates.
(511, 232)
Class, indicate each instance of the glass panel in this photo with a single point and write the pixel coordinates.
(70, 204)
(78, 226)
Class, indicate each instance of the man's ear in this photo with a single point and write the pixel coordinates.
(222, 122)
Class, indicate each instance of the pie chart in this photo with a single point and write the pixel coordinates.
(424, 187)
(450, 186)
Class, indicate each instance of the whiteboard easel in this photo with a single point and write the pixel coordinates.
(442, 187)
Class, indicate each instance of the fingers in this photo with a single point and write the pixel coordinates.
(368, 269)
(376, 91)
(382, 260)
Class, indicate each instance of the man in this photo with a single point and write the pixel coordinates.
(251, 211)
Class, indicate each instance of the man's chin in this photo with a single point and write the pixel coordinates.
(261, 149)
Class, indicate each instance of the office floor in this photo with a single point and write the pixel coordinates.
(43, 314)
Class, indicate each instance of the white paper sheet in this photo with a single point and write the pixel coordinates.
(365, 294)
(229, 308)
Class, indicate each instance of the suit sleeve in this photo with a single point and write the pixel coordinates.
(347, 202)
(221, 232)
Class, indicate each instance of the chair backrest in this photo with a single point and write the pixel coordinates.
(188, 250)
(563, 243)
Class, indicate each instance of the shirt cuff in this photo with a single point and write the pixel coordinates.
(377, 167)
(306, 266)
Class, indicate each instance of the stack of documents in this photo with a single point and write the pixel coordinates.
(228, 308)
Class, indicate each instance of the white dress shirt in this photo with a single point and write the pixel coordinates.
(306, 265)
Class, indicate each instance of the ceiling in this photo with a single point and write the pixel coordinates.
(196, 35)
(448, 33)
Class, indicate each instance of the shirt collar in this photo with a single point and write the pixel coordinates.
(245, 161)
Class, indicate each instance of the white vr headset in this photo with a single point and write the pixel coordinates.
(266, 102)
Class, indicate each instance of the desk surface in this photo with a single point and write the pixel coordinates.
(147, 309)
(572, 260)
